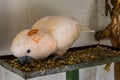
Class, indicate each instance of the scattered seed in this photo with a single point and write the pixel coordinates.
(76, 57)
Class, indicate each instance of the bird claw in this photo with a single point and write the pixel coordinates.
(58, 57)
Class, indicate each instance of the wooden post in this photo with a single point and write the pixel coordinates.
(115, 42)
(72, 75)
(117, 71)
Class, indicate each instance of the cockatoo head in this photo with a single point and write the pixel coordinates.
(33, 44)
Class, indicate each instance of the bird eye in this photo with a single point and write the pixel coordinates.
(28, 51)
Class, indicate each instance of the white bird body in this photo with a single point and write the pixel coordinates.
(64, 30)
(52, 34)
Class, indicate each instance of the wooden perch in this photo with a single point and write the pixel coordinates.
(112, 32)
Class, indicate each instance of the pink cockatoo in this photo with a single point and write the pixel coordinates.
(49, 35)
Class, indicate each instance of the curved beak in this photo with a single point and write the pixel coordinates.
(24, 60)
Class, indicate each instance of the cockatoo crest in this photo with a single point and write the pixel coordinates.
(33, 31)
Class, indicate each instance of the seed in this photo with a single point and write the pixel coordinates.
(76, 57)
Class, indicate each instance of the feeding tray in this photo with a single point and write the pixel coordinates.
(80, 57)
